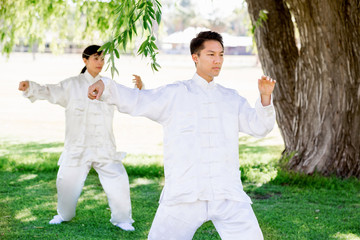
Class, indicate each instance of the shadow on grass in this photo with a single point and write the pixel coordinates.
(31, 156)
(288, 206)
(250, 145)
(28, 202)
(295, 206)
(284, 211)
(29, 146)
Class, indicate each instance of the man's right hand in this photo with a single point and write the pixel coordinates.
(24, 85)
(96, 90)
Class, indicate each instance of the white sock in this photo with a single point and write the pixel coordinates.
(125, 226)
(56, 220)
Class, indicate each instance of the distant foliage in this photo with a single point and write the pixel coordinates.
(36, 23)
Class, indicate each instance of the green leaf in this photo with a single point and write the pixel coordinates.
(141, 5)
(158, 3)
(130, 33)
(149, 3)
(158, 17)
(139, 15)
(143, 45)
(151, 13)
(153, 45)
(145, 25)
(146, 51)
(124, 40)
(116, 53)
(105, 46)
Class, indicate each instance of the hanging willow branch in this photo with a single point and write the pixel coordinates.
(134, 16)
(29, 23)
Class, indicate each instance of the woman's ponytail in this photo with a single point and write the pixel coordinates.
(83, 70)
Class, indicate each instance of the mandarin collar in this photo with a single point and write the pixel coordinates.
(203, 83)
(91, 78)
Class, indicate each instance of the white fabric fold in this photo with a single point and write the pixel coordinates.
(201, 124)
(89, 124)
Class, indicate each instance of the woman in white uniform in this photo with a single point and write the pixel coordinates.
(89, 142)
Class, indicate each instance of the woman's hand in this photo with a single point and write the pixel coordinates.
(24, 85)
(137, 81)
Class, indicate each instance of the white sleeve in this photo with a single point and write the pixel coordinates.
(155, 104)
(54, 93)
(258, 121)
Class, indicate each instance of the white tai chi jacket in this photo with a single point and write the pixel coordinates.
(201, 124)
(89, 124)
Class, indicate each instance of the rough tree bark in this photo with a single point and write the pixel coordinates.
(317, 97)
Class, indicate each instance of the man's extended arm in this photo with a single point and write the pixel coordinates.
(154, 104)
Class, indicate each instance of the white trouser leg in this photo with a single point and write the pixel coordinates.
(234, 220)
(178, 222)
(69, 183)
(115, 182)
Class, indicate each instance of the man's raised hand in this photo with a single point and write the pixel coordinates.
(96, 90)
(266, 87)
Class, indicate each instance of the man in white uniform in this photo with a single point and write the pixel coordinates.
(201, 121)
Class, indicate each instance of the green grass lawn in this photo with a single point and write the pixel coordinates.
(288, 206)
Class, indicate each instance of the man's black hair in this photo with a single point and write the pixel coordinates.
(197, 44)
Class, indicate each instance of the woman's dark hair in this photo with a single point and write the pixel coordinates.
(197, 44)
(90, 50)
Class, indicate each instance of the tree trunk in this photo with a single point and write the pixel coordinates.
(317, 97)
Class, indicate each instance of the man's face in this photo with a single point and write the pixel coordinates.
(209, 60)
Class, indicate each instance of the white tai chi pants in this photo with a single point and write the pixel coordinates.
(233, 220)
(114, 180)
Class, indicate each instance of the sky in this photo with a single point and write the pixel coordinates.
(217, 8)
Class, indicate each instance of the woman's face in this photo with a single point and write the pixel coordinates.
(94, 64)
